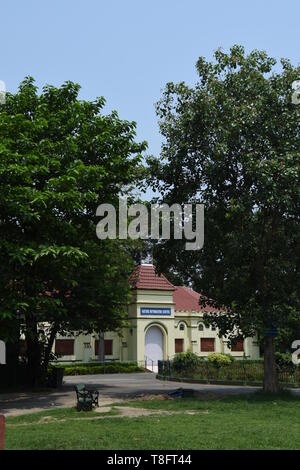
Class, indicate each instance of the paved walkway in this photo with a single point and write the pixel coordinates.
(112, 387)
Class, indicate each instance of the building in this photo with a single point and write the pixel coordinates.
(163, 320)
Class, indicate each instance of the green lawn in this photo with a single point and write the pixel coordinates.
(252, 422)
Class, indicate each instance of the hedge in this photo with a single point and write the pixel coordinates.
(96, 368)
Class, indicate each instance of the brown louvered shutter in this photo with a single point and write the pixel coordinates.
(108, 347)
(207, 344)
(238, 346)
(178, 345)
(64, 347)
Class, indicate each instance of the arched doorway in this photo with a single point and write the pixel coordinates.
(154, 345)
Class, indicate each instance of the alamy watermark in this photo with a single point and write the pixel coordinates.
(296, 354)
(296, 93)
(296, 344)
(2, 92)
(153, 222)
(2, 352)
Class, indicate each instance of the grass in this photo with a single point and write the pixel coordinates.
(237, 422)
(59, 414)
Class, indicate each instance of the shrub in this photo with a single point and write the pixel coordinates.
(96, 368)
(185, 361)
(235, 370)
(283, 359)
(219, 359)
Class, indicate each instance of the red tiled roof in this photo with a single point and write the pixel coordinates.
(186, 298)
(145, 277)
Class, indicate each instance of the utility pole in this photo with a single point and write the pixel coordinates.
(101, 355)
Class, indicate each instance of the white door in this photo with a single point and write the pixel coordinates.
(154, 345)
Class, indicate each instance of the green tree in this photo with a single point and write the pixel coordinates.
(60, 157)
(232, 143)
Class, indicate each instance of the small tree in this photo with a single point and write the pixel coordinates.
(233, 143)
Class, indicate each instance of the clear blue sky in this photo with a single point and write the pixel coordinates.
(126, 50)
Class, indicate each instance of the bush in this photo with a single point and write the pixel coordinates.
(220, 359)
(283, 359)
(235, 370)
(96, 368)
(185, 361)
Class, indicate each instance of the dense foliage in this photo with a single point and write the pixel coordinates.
(184, 361)
(220, 359)
(232, 143)
(60, 157)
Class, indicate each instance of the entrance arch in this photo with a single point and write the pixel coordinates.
(154, 345)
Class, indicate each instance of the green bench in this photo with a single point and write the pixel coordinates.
(86, 399)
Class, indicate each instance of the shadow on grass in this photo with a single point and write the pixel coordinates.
(259, 396)
(213, 401)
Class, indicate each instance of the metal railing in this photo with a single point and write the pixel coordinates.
(149, 361)
(238, 371)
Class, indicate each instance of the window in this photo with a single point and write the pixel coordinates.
(200, 327)
(108, 347)
(181, 326)
(213, 328)
(64, 347)
(207, 344)
(238, 346)
(23, 347)
(178, 345)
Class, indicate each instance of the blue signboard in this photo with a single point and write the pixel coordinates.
(155, 311)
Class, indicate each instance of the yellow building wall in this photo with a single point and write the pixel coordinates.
(129, 345)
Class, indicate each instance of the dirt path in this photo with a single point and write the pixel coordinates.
(9, 405)
(111, 387)
(123, 412)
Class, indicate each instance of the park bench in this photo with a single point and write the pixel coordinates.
(86, 399)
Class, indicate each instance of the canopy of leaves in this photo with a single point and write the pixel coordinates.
(60, 157)
(233, 143)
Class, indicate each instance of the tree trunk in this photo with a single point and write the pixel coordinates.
(49, 346)
(101, 355)
(12, 363)
(270, 372)
(33, 353)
